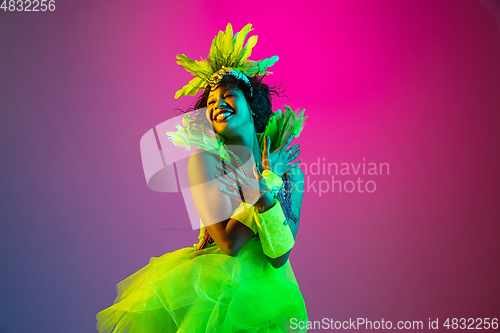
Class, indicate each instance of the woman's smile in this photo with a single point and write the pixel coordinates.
(222, 115)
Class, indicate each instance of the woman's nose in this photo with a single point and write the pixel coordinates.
(221, 103)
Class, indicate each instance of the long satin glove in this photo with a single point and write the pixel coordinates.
(276, 237)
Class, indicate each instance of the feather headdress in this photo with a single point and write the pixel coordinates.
(228, 55)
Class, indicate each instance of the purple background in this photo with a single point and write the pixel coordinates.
(413, 84)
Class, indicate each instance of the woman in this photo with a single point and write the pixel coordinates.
(246, 189)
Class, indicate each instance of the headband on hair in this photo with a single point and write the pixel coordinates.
(228, 56)
(217, 77)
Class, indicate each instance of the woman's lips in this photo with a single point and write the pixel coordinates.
(224, 116)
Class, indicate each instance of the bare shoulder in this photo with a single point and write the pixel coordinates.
(200, 166)
(200, 158)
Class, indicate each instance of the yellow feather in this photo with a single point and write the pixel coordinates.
(215, 45)
(239, 39)
(227, 41)
(247, 51)
(192, 66)
(191, 88)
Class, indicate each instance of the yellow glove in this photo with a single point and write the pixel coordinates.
(276, 237)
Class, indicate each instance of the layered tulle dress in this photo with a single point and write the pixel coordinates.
(202, 289)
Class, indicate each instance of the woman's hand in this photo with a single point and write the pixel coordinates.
(278, 161)
(241, 187)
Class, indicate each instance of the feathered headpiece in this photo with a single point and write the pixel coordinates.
(228, 55)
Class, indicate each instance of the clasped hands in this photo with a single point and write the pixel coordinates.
(255, 191)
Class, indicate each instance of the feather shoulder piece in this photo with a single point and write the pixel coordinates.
(191, 135)
(280, 126)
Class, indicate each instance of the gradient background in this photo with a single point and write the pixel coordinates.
(413, 84)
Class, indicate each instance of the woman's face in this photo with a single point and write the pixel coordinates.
(228, 111)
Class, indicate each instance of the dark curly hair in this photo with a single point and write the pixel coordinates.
(260, 101)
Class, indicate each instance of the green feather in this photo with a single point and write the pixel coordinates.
(281, 126)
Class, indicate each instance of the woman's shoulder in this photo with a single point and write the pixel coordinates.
(201, 164)
(203, 156)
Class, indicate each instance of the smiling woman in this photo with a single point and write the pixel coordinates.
(238, 278)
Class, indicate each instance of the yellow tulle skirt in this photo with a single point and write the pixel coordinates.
(207, 291)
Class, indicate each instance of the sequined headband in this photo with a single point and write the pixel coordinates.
(217, 77)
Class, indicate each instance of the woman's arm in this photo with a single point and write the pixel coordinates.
(214, 207)
(297, 177)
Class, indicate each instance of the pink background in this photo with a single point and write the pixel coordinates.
(412, 84)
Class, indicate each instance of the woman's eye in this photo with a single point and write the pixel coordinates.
(211, 102)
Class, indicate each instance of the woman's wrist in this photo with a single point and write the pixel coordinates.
(265, 202)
